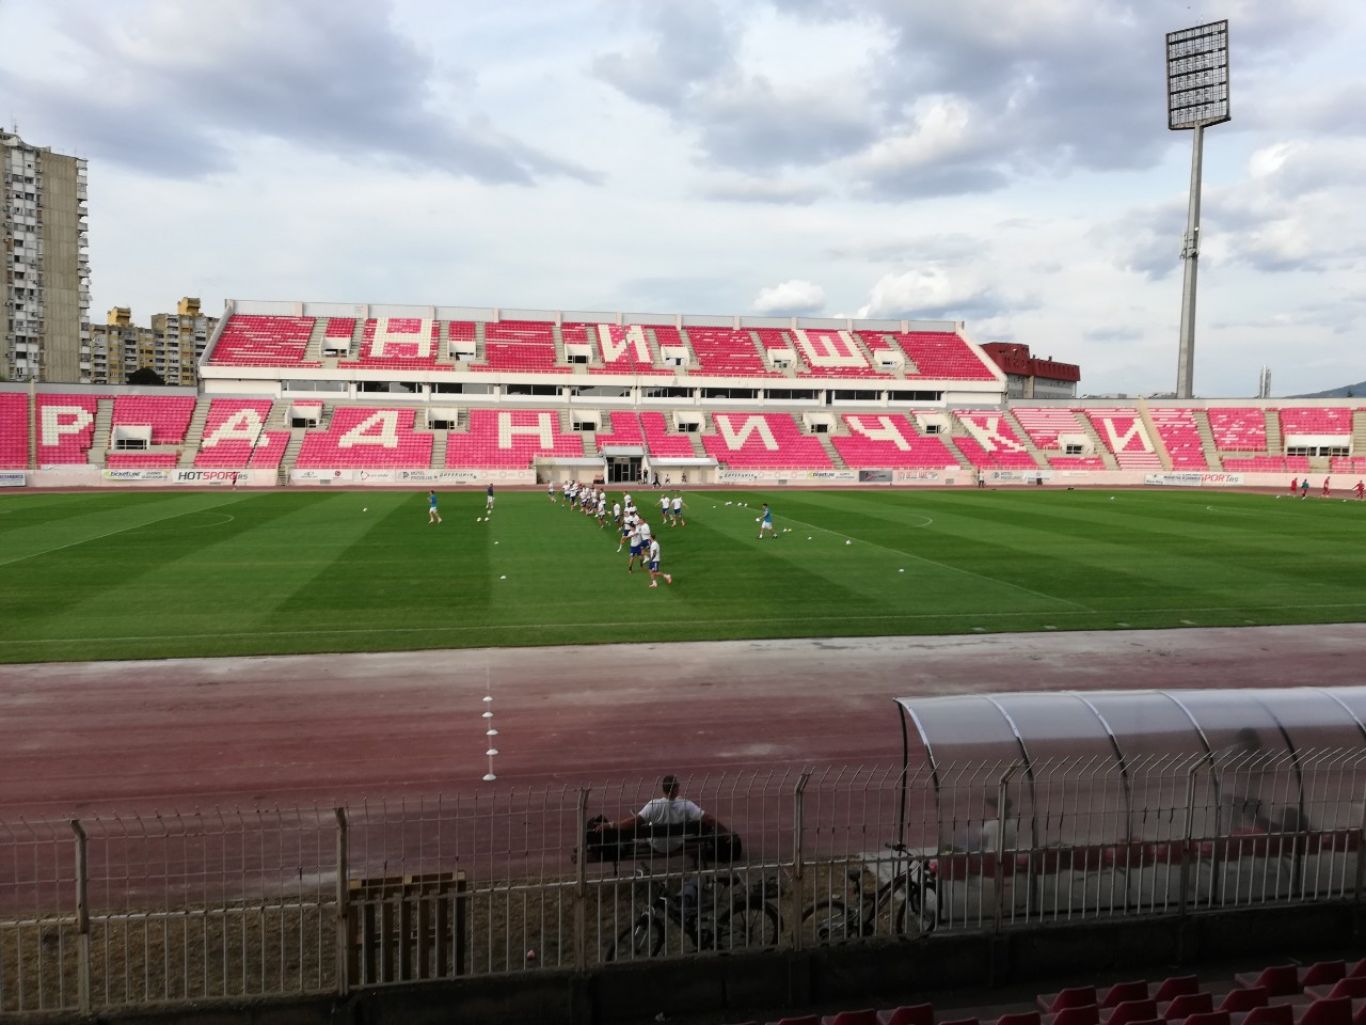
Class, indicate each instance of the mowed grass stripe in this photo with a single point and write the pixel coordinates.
(309, 571)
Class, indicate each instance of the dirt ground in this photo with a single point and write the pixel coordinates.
(86, 738)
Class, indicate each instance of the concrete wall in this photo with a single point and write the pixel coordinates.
(951, 970)
(61, 273)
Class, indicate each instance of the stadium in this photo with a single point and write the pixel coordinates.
(325, 697)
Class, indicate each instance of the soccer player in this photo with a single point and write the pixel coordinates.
(652, 564)
(637, 544)
(678, 520)
(433, 516)
(627, 529)
(1325, 487)
(616, 513)
(1294, 486)
(550, 492)
(488, 501)
(766, 522)
(1361, 490)
(1304, 489)
(664, 508)
(602, 510)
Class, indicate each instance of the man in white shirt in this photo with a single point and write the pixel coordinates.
(678, 520)
(662, 813)
(652, 564)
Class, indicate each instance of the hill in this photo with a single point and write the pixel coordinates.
(1347, 391)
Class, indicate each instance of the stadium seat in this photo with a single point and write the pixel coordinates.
(1278, 980)
(1354, 988)
(1127, 1012)
(1121, 431)
(1328, 1011)
(622, 349)
(1176, 986)
(233, 432)
(942, 355)
(1357, 969)
(1268, 1014)
(1336, 421)
(168, 416)
(1019, 1018)
(805, 1019)
(1076, 1014)
(1220, 1017)
(1237, 429)
(1323, 972)
(1185, 1004)
(1073, 996)
(1239, 999)
(864, 1017)
(910, 1014)
(141, 460)
(661, 441)
(887, 440)
(823, 352)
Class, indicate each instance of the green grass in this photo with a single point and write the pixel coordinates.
(136, 575)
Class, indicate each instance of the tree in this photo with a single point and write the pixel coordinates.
(145, 375)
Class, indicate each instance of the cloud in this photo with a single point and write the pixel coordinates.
(1145, 240)
(790, 298)
(932, 293)
(171, 90)
(748, 189)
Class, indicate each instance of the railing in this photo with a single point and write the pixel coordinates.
(114, 912)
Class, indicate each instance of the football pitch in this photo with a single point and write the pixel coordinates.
(102, 575)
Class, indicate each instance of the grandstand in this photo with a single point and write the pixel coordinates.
(296, 393)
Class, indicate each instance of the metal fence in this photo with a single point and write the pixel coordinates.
(124, 911)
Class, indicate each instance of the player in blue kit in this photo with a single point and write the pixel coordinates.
(766, 522)
(432, 515)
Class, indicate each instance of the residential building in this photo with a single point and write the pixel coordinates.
(46, 284)
(171, 346)
(1029, 377)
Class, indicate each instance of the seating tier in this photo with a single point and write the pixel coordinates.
(250, 340)
(1180, 436)
(662, 442)
(1315, 420)
(831, 353)
(510, 439)
(233, 431)
(13, 431)
(1348, 464)
(141, 460)
(1267, 464)
(889, 441)
(724, 352)
(991, 443)
(366, 438)
(942, 354)
(66, 429)
(520, 346)
(772, 441)
(625, 430)
(1045, 425)
(402, 345)
(1121, 430)
(167, 415)
(1237, 429)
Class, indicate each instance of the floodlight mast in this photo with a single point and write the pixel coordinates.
(1197, 97)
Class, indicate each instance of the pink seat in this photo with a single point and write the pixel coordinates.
(726, 352)
(367, 438)
(1183, 1005)
(864, 1017)
(263, 341)
(1271, 1014)
(1323, 973)
(889, 440)
(395, 343)
(1124, 991)
(1329, 1011)
(66, 428)
(510, 439)
(992, 443)
(910, 1014)
(1128, 1012)
(1279, 980)
(1019, 1018)
(1077, 1014)
(13, 431)
(1209, 1018)
(1072, 996)
(1176, 986)
(1239, 1000)
(763, 441)
(1354, 988)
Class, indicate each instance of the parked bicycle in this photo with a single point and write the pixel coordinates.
(713, 911)
(905, 905)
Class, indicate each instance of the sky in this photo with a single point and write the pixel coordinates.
(1006, 164)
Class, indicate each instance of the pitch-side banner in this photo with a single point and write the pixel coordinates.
(10, 479)
(1194, 480)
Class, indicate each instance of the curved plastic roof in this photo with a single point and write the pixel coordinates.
(1117, 726)
(1101, 766)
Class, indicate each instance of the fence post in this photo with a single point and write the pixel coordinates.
(82, 917)
(1001, 807)
(343, 906)
(581, 888)
(1188, 842)
(794, 910)
(1361, 856)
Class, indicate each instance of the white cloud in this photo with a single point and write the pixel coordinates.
(790, 299)
(930, 293)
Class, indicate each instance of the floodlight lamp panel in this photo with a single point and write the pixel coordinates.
(1198, 76)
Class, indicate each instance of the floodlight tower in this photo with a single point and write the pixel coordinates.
(1197, 98)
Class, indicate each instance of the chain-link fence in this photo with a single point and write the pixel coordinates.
(114, 912)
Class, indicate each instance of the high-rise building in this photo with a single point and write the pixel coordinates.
(171, 346)
(46, 287)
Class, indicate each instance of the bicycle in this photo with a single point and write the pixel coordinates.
(906, 905)
(746, 920)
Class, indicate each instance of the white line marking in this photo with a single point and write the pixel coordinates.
(661, 622)
(97, 537)
(945, 565)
